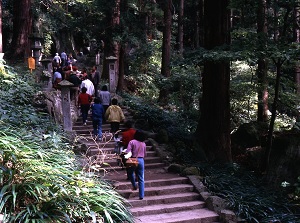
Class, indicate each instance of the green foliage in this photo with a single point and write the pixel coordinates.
(247, 194)
(39, 178)
(243, 92)
(178, 124)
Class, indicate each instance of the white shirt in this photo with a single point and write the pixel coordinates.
(89, 86)
(57, 59)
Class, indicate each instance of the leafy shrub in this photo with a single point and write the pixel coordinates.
(178, 124)
(247, 194)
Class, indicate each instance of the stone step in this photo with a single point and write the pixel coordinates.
(94, 146)
(154, 182)
(166, 208)
(156, 191)
(111, 158)
(91, 151)
(89, 124)
(114, 168)
(164, 199)
(88, 130)
(89, 140)
(189, 216)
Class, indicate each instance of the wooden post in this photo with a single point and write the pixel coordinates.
(66, 104)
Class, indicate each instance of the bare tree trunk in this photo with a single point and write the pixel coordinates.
(263, 94)
(262, 109)
(152, 23)
(1, 45)
(111, 47)
(180, 27)
(22, 22)
(199, 23)
(213, 129)
(166, 48)
(120, 85)
(266, 161)
(296, 37)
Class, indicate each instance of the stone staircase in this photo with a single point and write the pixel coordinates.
(168, 196)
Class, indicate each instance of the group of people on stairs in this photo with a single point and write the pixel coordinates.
(104, 109)
(132, 140)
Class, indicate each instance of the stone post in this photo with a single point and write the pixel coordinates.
(46, 67)
(112, 73)
(66, 105)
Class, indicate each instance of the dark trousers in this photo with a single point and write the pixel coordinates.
(84, 112)
(114, 126)
(97, 128)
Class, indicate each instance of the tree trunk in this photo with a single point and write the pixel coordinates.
(296, 35)
(1, 45)
(214, 126)
(120, 85)
(166, 48)
(262, 109)
(152, 23)
(199, 24)
(22, 22)
(112, 47)
(180, 27)
(263, 94)
(266, 161)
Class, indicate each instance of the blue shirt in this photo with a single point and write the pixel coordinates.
(97, 111)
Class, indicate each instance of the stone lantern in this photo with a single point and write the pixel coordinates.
(36, 46)
(112, 73)
(47, 72)
(66, 104)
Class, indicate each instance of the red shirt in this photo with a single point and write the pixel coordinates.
(127, 136)
(84, 99)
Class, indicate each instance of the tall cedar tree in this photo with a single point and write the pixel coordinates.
(262, 108)
(122, 55)
(180, 27)
(22, 22)
(1, 47)
(112, 48)
(166, 48)
(199, 24)
(214, 126)
(296, 37)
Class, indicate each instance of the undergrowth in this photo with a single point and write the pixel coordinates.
(248, 195)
